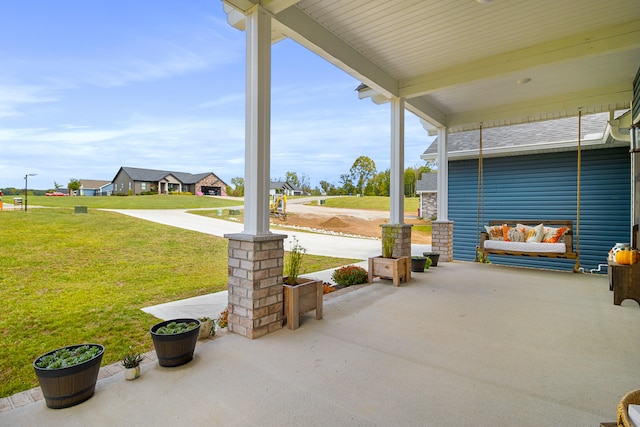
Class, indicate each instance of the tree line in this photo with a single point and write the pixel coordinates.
(362, 179)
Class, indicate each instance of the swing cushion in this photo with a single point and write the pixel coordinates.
(557, 248)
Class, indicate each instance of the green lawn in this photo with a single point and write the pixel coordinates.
(378, 203)
(129, 202)
(68, 278)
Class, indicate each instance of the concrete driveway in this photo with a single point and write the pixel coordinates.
(314, 243)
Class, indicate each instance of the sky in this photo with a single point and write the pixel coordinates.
(89, 86)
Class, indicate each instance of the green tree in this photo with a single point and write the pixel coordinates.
(292, 178)
(362, 171)
(382, 183)
(346, 186)
(302, 181)
(327, 187)
(74, 185)
(238, 183)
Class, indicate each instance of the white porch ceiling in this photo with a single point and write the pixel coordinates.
(456, 62)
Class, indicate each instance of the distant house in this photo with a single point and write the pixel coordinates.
(94, 187)
(281, 187)
(427, 189)
(137, 180)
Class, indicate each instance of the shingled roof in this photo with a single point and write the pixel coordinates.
(550, 135)
(428, 182)
(153, 175)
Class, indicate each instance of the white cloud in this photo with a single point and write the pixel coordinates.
(12, 97)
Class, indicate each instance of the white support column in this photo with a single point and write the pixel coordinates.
(397, 162)
(258, 121)
(443, 175)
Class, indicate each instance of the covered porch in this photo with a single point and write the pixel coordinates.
(461, 344)
(457, 65)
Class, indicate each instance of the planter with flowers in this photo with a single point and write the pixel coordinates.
(300, 295)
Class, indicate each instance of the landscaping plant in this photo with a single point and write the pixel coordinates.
(350, 275)
(294, 261)
(176, 328)
(223, 318)
(131, 359)
(66, 357)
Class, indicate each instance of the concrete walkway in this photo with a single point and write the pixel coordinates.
(314, 243)
(462, 344)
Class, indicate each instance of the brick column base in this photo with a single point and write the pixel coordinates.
(256, 300)
(442, 239)
(402, 234)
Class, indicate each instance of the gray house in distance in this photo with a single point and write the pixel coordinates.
(281, 187)
(137, 180)
(427, 189)
(95, 187)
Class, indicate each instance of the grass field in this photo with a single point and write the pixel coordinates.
(371, 202)
(68, 279)
(129, 202)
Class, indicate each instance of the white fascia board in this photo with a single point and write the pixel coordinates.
(597, 141)
(596, 100)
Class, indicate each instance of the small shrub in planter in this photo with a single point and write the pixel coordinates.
(68, 375)
(350, 275)
(175, 340)
(131, 363)
(207, 327)
(176, 328)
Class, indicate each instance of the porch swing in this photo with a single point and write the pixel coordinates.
(498, 245)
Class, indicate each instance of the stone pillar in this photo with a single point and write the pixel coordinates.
(402, 234)
(256, 301)
(442, 239)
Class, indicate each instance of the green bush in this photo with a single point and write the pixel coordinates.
(350, 275)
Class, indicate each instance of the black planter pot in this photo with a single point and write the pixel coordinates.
(434, 258)
(418, 264)
(175, 349)
(65, 387)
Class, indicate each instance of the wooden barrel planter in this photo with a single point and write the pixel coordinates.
(68, 386)
(418, 263)
(175, 349)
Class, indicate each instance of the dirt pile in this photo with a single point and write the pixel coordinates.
(348, 225)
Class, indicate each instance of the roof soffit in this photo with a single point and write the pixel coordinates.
(456, 62)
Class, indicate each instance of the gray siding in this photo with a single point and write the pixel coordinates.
(542, 187)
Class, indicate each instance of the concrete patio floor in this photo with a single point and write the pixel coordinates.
(462, 344)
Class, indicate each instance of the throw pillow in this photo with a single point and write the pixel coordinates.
(494, 232)
(533, 234)
(553, 235)
(516, 234)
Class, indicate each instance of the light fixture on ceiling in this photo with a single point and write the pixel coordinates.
(484, 1)
(523, 81)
